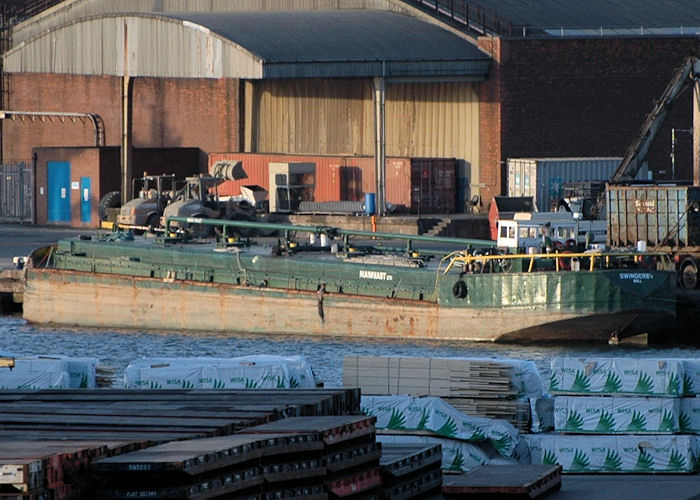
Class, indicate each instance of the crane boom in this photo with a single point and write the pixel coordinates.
(685, 77)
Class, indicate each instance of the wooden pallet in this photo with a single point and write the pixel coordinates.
(521, 481)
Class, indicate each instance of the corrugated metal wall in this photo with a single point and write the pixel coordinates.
(155, 47)
(433, 120)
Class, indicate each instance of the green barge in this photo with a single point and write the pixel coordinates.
(345, 290)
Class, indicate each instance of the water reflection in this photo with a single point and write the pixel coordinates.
(118, 347)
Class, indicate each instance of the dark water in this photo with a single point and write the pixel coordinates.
(118, 347)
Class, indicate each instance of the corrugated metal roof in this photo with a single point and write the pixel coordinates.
(596, 14)
(346, 43)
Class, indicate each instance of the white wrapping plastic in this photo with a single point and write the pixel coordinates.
(616, 414)
(435, 415)
(639, 376)
(34, 380)
(81, 371)
(248, 372)
(690, 415)
(541, 414)
(610, 453)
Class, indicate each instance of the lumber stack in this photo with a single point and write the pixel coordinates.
(476, 387)
(443, 377)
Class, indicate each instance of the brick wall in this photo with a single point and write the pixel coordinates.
(589, 97)
(200, 113)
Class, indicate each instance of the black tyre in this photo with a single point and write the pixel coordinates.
(689, 275)
(153, 222)
(113, 199)
(459, 290)
(200, 231)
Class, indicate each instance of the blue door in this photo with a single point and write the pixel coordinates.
(58, 191)
(85, 200)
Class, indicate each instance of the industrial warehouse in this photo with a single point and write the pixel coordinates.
(474, 217)
(96, 93)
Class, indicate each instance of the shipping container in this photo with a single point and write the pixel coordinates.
(657, 215)
(413, 185)
(543, 178)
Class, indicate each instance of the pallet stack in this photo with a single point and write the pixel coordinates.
(410, 470)
(49, 438)
(349, 457)
(477, 387)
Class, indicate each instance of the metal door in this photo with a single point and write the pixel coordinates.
(85, 200)
(58, 191)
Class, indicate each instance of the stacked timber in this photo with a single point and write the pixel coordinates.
(48, 372)
(50, 438)
(620, 415)
(410, 470)
(488, 388)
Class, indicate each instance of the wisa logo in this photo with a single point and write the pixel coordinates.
(636, 277)
(375, 275)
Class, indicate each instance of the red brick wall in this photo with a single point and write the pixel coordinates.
(492, 171)
(201, 113)
(589, 97)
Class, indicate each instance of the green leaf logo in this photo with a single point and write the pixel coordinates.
(478, 436)
(549, 458)
(155, 385)
(218, 384)
(688, 389)
(423, 420)
(581, 383)
(645, 385)
(644, 462)
(294, 383)
(606, 423)
(553, 382)
(613, 383)
(250, 384)
(366, 411)
(502, 445)
(638, 422)
(449, 428)
(186, 384)
(280, 383)
(667, 422)
(397, 420)
(83, 381)
(674, 385)
(676, 462)
(574, 422)
(457, 462)
(684, 422)
(580, 463)
(613, 462)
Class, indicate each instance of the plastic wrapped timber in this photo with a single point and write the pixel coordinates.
(457, 455)
(431, 414)
(444, 377)
(541, 414)
(247, 372)
(638, 454)
(637, 376)
(689, 419)
(616, 415)
(34, 380)
(81, 371)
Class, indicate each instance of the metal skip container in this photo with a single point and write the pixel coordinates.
(543, 178)
(656, 215)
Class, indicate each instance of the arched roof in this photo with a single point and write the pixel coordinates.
(253, 45)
